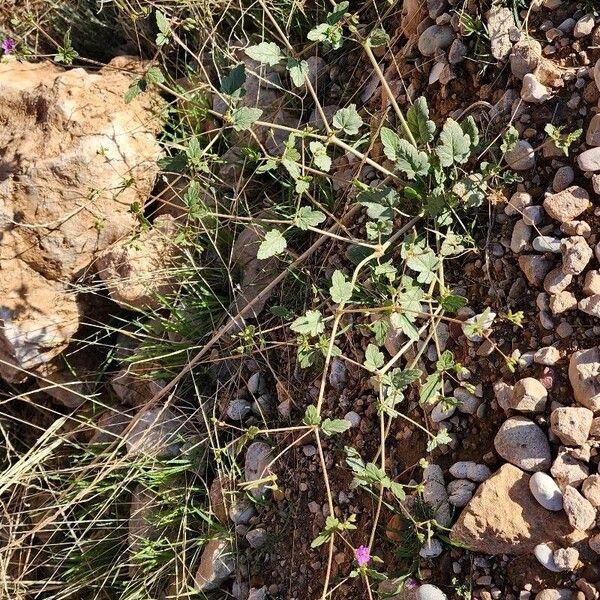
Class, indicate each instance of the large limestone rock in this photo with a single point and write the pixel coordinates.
(584, 370)
(74, 159)
(504, 518)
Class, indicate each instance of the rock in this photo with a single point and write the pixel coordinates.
(133, 388)
(413, 13)
(522, 156)
(460, 491)
(518, 202)
(257, 593)
(545, 557)
(241, 511)
(566, 559)
(584, 26)
(442, 411)
(435, 38)
(548, 356)
(337, 373)
(216, 565)
(557, 281)
(155, 432)
(467, 403)
(520, 236)
(500, 21)
(584, 369)
(576, 228)
(590, 305)
(591, 490)
(568, 204)
(546, 243)
(534, 267)
(430, 592)
(503, 393)
(591, 284)
(589, 161)
(592, 136)
(581, 514)
(143, 514)
(533, 215)
(257, 537)
(65, 134)
(545, 491)
(529, 396)
(533, 91)
(571, 424)
(238, 409)
(136, 271)
(434, 493)
(504, 518)
(432, 548)
(563, 178)
(522, 443)
(258, 457)
(562, 302)
(110, 426)
(594, 543)
(597, 73)
(567, 470)
(576, 254)
(457, 52)
(525, 57)
(551, 594)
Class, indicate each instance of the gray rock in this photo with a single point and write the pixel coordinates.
(525, 57)
(563, 178)
(155, 432)
(460, 491)
(430, 592)
(353, 418)
(457, 52)
(432, 548)
(533, 91)
(576, 254)
(522, 156)
(216, 565)
(467, 403)
(552, 594)
(258, 593)
(534, 267)
(434, 493)
(533, 215)
(557, 281)
(238, 409)
(584, 369)
(435, 38)
(545, 557)
(589, 161)
(256, 537)
(520, 236)
(499, 23)
(517, 203)
(546, 243)
(590, 305)
(592, 136)
(549, 356)
(258, 457)
(580, 512)
(567, 470)
(545, 491)
(441, 411)
(584, 26)
(522, 443)
(337, 373)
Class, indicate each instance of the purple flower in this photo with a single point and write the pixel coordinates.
(8, 45)
(363, 556)
(411, 584)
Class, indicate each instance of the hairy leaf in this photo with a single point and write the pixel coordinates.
(418, 121)
(454, 146)
(268, 53)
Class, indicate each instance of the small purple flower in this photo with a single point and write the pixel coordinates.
(8, 45)
(411, 584)
(363, 556)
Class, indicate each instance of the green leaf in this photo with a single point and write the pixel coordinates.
(162, 22)
(320, 158)
(310, 323)
(273, 244)
(348, 120)
(307, 217)
(136, 87)
(402, 378)
(418, 121)
(242, 118)
(378, 37)
(455, 145)
(154, 75)
(331, 426)
(302, 184)
(390, 140)
(424, 262)
(311, 416)
(440, 439)
(338, 12)
(445, 362)
(430, 389)
(411, 161)
(404, 323)
(298, 70)
(267, 53)
(452, 303)
(374, 358)
(341, 288)
(470, 128)
(233, 82)
(380, 329)
(510, 139)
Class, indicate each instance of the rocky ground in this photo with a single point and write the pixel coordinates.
(157, 442)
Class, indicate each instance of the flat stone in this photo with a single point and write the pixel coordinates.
(562, 302)
(517, 203)
(529, 396)
(535, 268)
(571, 424)
(546, 243)
(589, 161)
(592, 136)
(591, 490)
(500, 21)
(584, 369)
(568, 204)
(591, 283)
(567, 470)
(579, 511)
(563, 178)
(504, 518)
(258, 457)
(557, 281)
(552, 594)
(546, 491)
(576, 254)
(430, 592)
(590, 305)
(435, 38)
(533, 91)
(216, 565)
(525, 57)
(521, 442)
(520, 236)
(522, 156)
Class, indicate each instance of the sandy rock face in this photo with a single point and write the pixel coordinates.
(584, 368)
(70, 145)
(504, 518)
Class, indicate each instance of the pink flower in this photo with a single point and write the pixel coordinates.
(8, 45)
(363, 556)
(411, 584)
